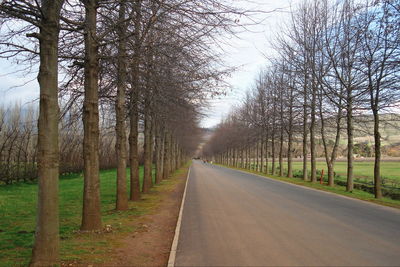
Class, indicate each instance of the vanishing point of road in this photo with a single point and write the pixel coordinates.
(231, 218)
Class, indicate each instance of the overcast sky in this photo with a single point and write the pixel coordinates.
(246, 51)
(249, 51)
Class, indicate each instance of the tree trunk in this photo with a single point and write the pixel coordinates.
(377, 164)
(305, 152)
(234, 155)
(172, 155)
(162, 147)
(147, 150)
(247, 157)
(266, 152)
(290, 157)
(350, 144)
(237, 153)
(330, 162)
(46, 247)
(252, 159)
(273, 152)
(262, 154)
(290, 137)
(152, 151)
(273, 135)
(177, 156)
(167, 167)
(121, 139)
(281, 153)
(257, 156)
(237, 158)
(91, 217)
(134, 112)
(133, 146)
(158, 152)
(241, 159)
(179, 159)
(312, 138)
(281, 111)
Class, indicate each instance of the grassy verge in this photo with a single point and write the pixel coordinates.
(341, 190)
(18, 212)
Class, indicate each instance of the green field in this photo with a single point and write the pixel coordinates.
(364, 169)
(18, 212)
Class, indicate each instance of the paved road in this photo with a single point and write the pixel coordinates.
(236, 219)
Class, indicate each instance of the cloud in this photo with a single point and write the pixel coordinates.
(16, 86)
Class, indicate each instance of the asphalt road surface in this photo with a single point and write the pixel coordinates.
(235, 219)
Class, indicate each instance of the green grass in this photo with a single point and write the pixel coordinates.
(341, 190)
(363, 169)
(18, 213)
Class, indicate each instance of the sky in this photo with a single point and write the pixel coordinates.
(246, 51)
(249, 51)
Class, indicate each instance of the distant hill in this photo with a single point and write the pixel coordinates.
(364, 129)
(389, 129)
(364, 133)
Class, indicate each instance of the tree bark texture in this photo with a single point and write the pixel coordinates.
(147, 149)
(46, 245)
(166, 165)
(158, 155)
(133, 105)
(312, 137)
(305, 130)
(133, 143)
(377, 164)
(91, 217)
(121, 139)
(290, 136)
(350, 144)
(281, 137)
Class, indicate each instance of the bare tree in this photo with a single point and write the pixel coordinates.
(46, 18)
(379, 51)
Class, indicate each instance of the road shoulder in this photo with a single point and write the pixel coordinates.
(149, 241)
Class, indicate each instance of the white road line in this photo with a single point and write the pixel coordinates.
(172, 254)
